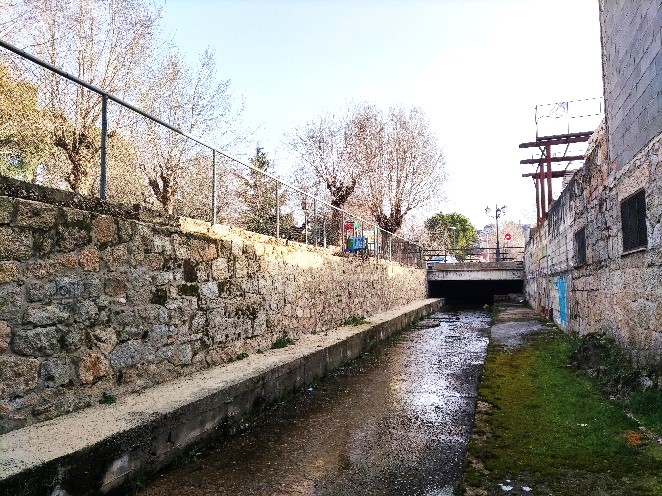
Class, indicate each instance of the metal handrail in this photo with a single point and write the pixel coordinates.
(107, 96)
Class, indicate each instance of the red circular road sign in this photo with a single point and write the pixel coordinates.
(508, 237)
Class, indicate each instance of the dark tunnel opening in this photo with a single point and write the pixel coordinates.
(472, 291)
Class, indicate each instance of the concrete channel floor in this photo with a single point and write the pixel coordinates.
(100, 448)
(395, 422)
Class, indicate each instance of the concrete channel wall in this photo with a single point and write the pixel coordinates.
(100, 450)
(98, 301)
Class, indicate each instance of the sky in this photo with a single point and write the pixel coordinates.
(477, 68)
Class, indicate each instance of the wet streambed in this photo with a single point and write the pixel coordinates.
(395, 422)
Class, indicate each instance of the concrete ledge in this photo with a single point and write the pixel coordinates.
(99, 450)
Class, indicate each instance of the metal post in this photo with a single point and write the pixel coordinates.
(315, 233)
(535, 181)
(277, 213)
(375, 231)
(543, 204)
(548, 153)
(341, 241)
(214, 186)
(305, 223)
(498, 254)
(104, 134)
(390, 253)
(324, 230)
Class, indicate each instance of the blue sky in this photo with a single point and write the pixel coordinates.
(476, 67)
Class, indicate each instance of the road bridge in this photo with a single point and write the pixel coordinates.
(475, 281)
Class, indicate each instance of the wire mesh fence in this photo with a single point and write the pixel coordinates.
(61, 132)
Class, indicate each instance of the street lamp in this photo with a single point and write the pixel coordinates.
(454, 229)
(498, 212)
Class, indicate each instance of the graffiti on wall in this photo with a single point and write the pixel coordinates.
(561, 287)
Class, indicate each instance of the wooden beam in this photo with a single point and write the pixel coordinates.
(558, 139)
(555, 174)
(569, 158)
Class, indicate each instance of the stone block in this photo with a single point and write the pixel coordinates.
(153, 261)
(35, 215)
(203, 251)
(115, 285)
(89, 259)
(126, 355)
(92, 366)
(237, 247)
(5, 336)
(40, 341)
(209, 289)
(41, 270)
(116, 257)
(105, 339)
(240, 268)
(9, 272)
(11, 302)
(18, 375)
(183, 354)
(182, 246)
(70, 238)
(104, 229)
(15, 244)
(162, 335)
(161, 244)
(69, 259)
(55, 371)
(45, 315)
(86, 312)
(7, 207)
(219, 269)
(43, 242)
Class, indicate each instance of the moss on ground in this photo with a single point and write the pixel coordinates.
(542, 425)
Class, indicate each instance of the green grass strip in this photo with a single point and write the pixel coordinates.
(549, 425)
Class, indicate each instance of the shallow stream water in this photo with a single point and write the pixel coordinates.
(394, 422)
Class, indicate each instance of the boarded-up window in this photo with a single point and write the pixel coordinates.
(633, 220)
(580, 246)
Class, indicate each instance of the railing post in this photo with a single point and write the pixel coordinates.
(277, 213)
(341, 241)
(305, 223)
(104, 134)
(376, 233)
(214, 186)
(324, 230)
(315, 233)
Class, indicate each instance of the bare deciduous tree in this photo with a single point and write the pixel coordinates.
(409, 171)
(190, 101)
(108, 44)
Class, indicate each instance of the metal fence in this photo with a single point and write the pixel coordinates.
(213, 185)
(479, 254)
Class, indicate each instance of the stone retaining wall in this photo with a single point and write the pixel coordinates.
(94, 306)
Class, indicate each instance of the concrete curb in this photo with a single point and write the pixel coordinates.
(100, 449)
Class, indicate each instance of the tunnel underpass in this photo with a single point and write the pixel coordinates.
(472, 291)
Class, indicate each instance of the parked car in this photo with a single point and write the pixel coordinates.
(437, 259)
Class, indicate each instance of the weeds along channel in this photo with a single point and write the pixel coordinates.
(543, 426)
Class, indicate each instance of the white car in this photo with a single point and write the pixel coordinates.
(437, 259)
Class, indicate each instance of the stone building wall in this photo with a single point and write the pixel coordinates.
(631, 34)
(616, 293)
(95, 306)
